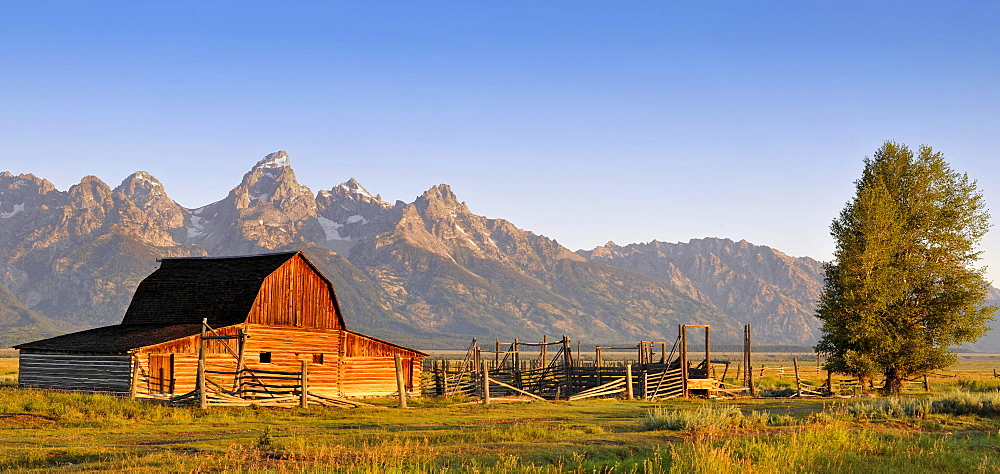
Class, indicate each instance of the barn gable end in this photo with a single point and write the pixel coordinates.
(296, 294)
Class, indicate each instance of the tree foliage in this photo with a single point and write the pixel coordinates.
(903, 285)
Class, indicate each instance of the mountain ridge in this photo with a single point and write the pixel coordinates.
(430, 272)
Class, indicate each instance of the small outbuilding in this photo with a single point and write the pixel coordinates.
(273, 313)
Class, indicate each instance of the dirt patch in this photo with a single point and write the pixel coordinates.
(513, 421)
(25, 419)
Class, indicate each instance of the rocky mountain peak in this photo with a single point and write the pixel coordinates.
(276, 160)
(354, 187)
(142, 189)
(351, 191)
(24, 192)
(441, 193)
(272, 180)
(89, 193)
(439, 202)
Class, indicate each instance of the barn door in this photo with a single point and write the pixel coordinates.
(161, 373)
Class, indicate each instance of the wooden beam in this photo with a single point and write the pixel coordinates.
(511, 387)
(400, 384)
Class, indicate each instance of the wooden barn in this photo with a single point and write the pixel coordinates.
(265, 314)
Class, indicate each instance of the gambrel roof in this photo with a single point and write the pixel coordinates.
(172, 301)
(186, 290)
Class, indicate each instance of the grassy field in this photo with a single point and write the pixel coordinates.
(943, 431)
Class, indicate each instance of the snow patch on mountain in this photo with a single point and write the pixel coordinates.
(331, 229)
(17, 208)
(274, 160)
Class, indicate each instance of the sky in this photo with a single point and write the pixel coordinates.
(583, 121)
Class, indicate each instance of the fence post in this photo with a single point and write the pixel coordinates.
(645, 385)
(927, 386)
(629, 393)
(304, 393)
(544, 352)
(684, 360)
(445, 367)
(400, 385)
(567, 366)
(798, 381)
(438, 379)
(202, 393)
(486, 385)
(134, 383)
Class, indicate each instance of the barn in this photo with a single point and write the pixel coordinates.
(248, 315)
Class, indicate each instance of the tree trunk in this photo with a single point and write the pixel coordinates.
(893, 382)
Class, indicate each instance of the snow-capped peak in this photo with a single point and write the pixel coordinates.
(144, 176)
(354, 187)
(278, 159)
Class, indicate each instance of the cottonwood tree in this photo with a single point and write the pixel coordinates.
(903, 285)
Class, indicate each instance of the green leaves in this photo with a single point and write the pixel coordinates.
(903, 287)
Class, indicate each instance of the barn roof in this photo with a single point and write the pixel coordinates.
(172, 301)
(117, 339)
(186, 290)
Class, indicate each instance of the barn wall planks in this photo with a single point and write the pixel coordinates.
(104, 372)
(289, 346)
(375, 376)
(295, 295)
(360, 345)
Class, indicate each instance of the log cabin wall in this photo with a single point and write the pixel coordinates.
(286, 348)
(369, 368)
(62, 371)
(296, 295)
(289, 346)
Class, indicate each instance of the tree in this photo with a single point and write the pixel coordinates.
(903, 285)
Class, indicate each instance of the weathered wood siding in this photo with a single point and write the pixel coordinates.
(360, 345)
(376, 376)
(290, 346)
(295, 295)
(369, 368)
(99, 373)
(287, 346)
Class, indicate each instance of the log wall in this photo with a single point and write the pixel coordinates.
(98, 373)
(376, 376)
(290, 346)
(367, 370)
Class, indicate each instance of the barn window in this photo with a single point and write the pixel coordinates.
(317, 358)
(265, 357)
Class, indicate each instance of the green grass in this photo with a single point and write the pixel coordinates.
(950, 431)
(837, 447)
(44, 430)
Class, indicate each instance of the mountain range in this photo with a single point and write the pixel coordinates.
(428, 273)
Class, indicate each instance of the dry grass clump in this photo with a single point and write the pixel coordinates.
(709, 418)
(956, 403)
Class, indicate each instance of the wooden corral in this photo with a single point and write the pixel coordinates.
(267, 314)
(513, 369)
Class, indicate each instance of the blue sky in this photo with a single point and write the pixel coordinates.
(582, 121)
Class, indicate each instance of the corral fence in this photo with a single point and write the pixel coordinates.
(550, 370)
